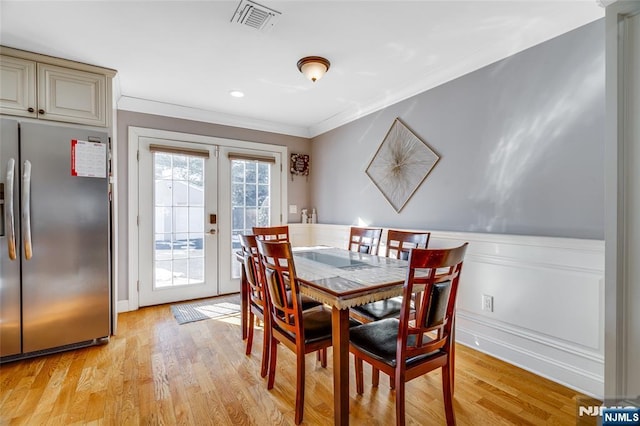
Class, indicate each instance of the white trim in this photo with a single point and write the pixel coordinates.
(622, 193)
(127, 103)
(132, 185)
(564, 373)
(115, 223)
(590, 354)
(123, 306)
(375, 105)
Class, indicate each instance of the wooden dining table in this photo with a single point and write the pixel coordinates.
(341, 279)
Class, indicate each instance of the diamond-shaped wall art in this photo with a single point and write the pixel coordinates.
(400, 165)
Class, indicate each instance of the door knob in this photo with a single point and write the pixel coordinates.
(212, 231)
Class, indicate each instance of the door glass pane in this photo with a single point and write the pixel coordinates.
(250, 201)
(178, 220)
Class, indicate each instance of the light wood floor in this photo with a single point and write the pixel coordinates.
(157, 372)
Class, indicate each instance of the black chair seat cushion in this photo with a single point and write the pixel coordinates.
(317, 325)
(260, 308)
(382, 309)
(307, 302)
(379, 340)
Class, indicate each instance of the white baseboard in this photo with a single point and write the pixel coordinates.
(123, 306)
(574, 369)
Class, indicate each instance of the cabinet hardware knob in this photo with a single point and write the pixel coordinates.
(40, 111)
(31, 109)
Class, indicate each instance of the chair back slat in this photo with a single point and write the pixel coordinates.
(280, 281)
(364, 240)
(399, 243)
(272, 233)
(438, 271)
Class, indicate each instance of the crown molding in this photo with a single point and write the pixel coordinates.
(128, 103)
(605, 3)
(352, 114)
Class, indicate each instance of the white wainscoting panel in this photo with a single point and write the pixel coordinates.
(548, 299)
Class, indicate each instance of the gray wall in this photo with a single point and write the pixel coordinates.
(521, 143)
(298, 192)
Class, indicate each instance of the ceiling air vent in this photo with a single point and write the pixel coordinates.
(254, 15)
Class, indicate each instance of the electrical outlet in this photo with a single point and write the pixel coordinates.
(487, 303)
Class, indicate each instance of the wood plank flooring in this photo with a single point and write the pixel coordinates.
(156, 372)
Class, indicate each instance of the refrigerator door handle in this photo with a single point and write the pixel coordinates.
(9, 213)
(26, 210)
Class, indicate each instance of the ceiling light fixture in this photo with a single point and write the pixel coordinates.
(236, 93)
(313, 67)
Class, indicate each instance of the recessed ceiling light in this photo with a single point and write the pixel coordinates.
(236, 93)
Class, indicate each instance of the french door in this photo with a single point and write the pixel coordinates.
(251, 195)
(177, 230)
(190, 196)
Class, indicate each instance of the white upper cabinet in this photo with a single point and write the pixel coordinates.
(71, 95)
(17, 87)
(38, 86)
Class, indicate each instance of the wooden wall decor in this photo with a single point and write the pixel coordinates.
(401, 164)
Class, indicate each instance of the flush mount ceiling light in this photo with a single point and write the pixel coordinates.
(313, 67)
(236, 93)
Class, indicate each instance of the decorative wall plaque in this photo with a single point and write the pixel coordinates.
(400, 165)
(299, 165)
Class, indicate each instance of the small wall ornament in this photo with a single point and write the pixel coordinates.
(299, 165)
(400, 165)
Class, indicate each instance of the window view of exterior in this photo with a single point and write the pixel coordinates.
(250, 201)
(178, 220)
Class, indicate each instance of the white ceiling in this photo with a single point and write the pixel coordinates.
(181, 58)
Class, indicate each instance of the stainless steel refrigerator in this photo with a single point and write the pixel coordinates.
(54, 238)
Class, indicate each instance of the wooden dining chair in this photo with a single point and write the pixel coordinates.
(302, 331)
(257, 297)
(406, 349)
(272, 233)
(399, 243)
(364, 240)
(281, 234)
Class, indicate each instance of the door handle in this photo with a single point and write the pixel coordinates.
(9, 214)
(212, 231)
(26, 210)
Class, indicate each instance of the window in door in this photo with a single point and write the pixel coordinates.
(179, 251)
(250, 200)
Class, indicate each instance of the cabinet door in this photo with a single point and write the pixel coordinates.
(71, 95)
(17, 87)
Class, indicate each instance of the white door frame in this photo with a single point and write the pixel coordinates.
(622, 200)
(134, 134)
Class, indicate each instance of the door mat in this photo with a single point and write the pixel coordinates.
(216, 307)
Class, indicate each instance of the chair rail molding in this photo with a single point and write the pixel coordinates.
(548, 299)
